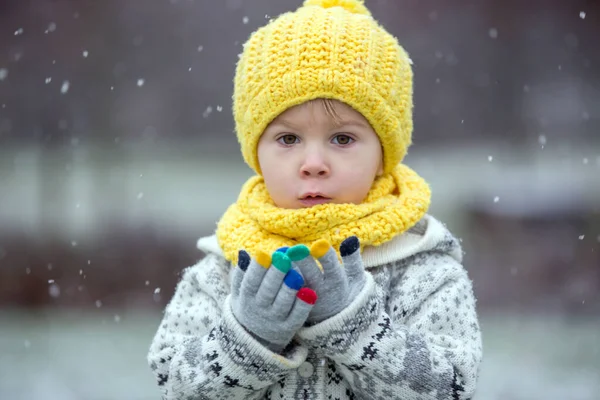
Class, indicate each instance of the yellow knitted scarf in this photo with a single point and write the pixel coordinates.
(396, 202)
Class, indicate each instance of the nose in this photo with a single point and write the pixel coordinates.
(314, 165)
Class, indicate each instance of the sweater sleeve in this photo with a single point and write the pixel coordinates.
(421, 341)
(201, 351)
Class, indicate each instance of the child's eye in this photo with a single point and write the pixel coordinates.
(343, 139)
(288, 139)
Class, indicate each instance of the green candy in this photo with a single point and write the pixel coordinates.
(298, 252)
(281, 261)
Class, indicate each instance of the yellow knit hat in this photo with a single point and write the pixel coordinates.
(325, 49)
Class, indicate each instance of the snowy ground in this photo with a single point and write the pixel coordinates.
(101, 356)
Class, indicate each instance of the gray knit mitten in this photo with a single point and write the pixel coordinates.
(338, 284)
(269, 300)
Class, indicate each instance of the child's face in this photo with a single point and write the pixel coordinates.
(319, 152)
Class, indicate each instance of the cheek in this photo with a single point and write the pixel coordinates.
(356, 181)
(276, 179)
(364, 162)
(357, 175)
(276, 173)
(272, 160)
(269, 161)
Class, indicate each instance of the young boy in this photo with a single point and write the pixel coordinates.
(326, 279)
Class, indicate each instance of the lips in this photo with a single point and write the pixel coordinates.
(312, 199)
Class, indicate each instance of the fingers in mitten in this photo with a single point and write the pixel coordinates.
(307, 295)
(298, 252)
(286, 296)
(327, 256)
(350, 252)
(301, 260)
(273, 279)
(239, 272)
(304, 302)
(295, 268)
(255, 273)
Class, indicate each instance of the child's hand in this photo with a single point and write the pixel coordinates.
(269, 301)
(337, 285)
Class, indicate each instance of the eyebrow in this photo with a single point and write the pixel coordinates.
(337, 124)
(341, 122)
(285, 122)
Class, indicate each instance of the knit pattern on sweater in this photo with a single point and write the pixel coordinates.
(412, 333)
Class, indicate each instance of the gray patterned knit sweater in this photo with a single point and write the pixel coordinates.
(412, 333)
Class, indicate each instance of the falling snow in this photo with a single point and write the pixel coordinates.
(65, 87)
(51, 28)
(54, 291)
(571, 36)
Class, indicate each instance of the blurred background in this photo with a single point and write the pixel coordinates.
(117, 152)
